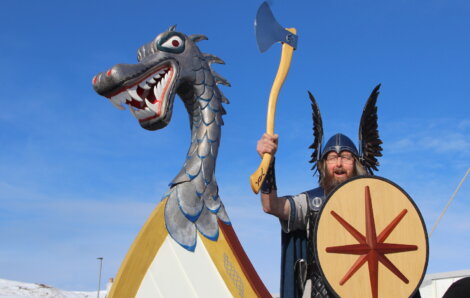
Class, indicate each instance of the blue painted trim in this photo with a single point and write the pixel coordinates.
(190, 248)
(207, 99)
(225, 222)
(214, 237)
(191, 217)
(191, 177)
(214, 210)
(167, 194)
(207, 124)
(187, 247)
(213, 109)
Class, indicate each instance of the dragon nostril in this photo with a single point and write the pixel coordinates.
(95, 78)
(109, 72)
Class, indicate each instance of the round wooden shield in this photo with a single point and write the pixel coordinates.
(371, 240)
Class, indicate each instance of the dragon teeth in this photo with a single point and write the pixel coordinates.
(145, 113)
(152, 80)
(159, 88)
(118, 105)
(165, 79)
(141, 114)
(144, 85)
(153, 107)
(133, 112)
(118, 100)
(133, 93)
(158, 81)
(157, 91)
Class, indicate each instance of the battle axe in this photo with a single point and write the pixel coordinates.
(268, 31)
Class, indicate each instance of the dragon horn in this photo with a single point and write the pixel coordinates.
(197, 37)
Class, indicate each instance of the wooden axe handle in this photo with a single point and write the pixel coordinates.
(257, 178)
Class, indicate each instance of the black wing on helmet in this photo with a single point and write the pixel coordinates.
(317, 132)
(369, 140)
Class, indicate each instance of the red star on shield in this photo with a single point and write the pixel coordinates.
(371, 248)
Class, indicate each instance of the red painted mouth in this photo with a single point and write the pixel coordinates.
(147, 98)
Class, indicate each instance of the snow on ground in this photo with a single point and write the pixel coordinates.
(15, 289)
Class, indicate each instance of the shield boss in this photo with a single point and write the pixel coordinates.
(371, 240)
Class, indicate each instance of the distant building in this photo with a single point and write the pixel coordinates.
(108, 285)
(435, 285)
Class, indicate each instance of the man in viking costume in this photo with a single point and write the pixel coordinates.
(337, 161)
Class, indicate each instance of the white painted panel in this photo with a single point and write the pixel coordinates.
(149, 288)
(176, 272)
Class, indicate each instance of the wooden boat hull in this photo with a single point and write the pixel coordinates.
(157, 266)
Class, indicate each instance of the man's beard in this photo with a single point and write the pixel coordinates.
(330, 181)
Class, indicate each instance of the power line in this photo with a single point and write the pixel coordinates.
(449, 202)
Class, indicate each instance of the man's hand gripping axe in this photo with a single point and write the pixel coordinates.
(268, 31)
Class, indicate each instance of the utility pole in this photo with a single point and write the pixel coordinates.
(99, 278)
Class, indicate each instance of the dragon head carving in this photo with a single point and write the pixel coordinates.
(149, 87)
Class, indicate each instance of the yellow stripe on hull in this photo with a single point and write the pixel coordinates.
(140, 255)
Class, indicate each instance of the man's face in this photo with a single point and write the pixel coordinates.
(339, 167)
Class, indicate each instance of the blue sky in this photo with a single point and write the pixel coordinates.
(78, 178)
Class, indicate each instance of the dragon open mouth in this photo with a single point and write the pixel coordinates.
(147, 98)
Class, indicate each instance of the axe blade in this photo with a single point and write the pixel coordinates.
(268, 31)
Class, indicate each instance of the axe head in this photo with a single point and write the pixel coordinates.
(268, 31)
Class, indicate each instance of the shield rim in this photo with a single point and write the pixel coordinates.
(409, 198)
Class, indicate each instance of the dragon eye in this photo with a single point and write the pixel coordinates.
(173, 44)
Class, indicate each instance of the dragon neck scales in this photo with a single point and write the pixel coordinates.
(173, 64)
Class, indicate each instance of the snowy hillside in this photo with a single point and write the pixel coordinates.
(15, 289)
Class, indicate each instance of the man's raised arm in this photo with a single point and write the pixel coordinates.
(272, 204)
